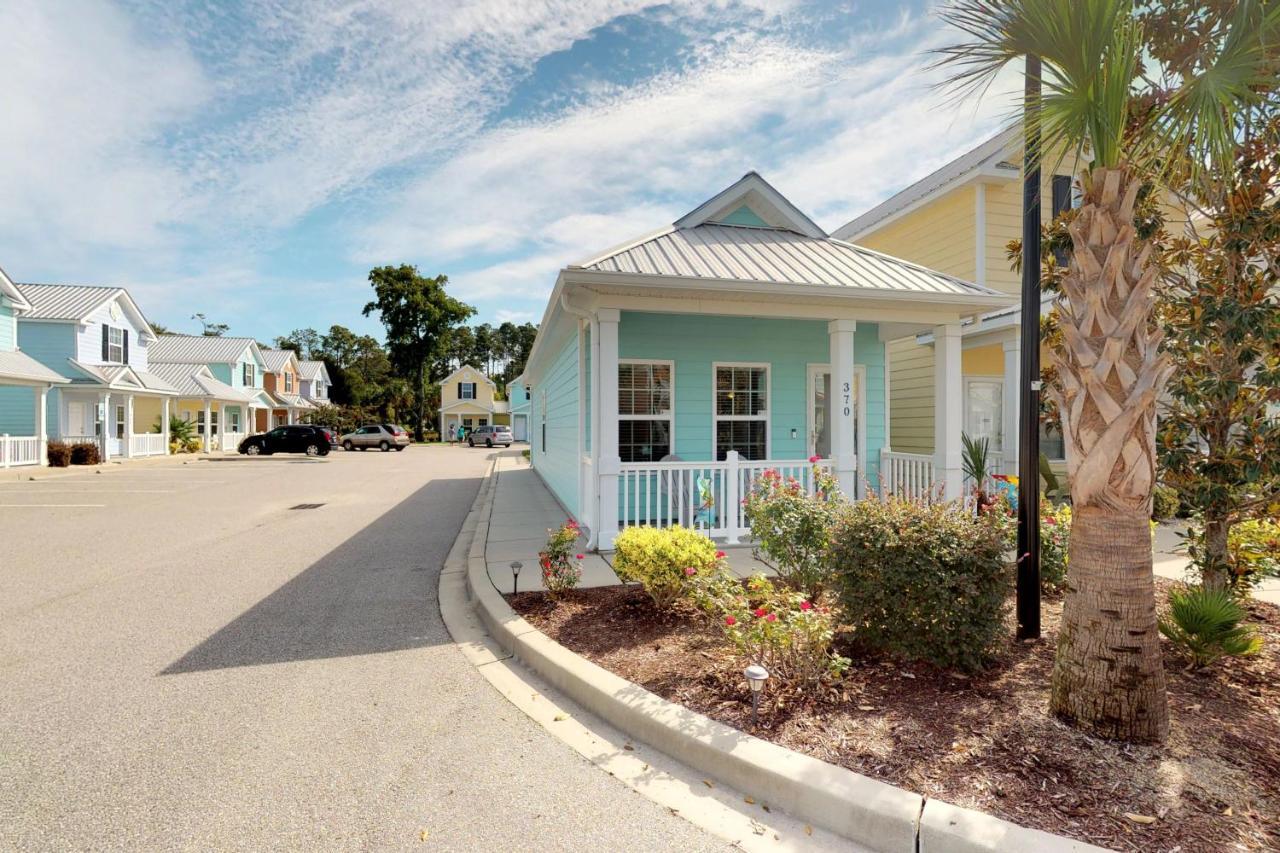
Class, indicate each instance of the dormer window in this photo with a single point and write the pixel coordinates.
(114, 350)
(247, 375)
(288, 383)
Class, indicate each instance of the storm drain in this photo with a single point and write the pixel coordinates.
(307, 506)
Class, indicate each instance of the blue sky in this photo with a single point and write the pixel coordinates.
(253, 161)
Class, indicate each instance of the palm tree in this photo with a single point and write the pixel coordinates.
(1104, 101)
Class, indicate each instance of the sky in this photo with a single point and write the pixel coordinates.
(253, 161)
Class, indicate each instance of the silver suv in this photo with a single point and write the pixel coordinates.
(382, 436)
(491, 435)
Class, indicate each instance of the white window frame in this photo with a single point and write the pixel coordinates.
(233, 420)
(995, 447)
(768, 406)
(463, 387)
(213, 421)
(248, 374)
(288, 382)
(119, 424)
(669, 415)
(115, 345)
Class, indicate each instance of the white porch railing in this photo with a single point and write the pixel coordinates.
(703, 495)
(79, 439)
(147, 444)
(906, 474)
(18, 450)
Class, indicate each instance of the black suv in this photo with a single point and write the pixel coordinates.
(297, 438)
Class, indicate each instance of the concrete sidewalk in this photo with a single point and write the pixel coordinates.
(1171, 561)
(524, 510)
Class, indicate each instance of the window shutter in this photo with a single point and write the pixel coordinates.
(460, 390)
(126, 346)
(1061, 194)
(106, 343)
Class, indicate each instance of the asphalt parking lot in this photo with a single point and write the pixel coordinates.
(188, 661)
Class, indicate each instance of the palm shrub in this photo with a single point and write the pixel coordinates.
(924, 580)
(180, 431)
(975, 459)
(1138, 122)
(664, 561)
(1204, 623)
(793, 528)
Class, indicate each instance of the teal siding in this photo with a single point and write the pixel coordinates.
(17, 410)
(50, 344)
(223, 373)
(695, 343)
(236, 379)
(8, 327)
(586, 342)
(745, 216)
(557, 459)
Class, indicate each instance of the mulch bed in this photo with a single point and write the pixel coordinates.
(984, 741)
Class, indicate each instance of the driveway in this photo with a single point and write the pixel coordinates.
(188, 662)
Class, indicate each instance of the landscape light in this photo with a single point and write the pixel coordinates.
(516, 566)
(756, 677)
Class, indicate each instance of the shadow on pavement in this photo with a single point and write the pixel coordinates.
(371, 594)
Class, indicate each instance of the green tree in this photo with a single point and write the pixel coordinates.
(417, 313)
(1134, 121)
(210, 329)
(305, 342)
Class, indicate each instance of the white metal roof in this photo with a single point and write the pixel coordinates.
(10, 290)
(276, 359)
(22, 367)
(118, 377)
(197, 349)
(75, 302)
(198, 381)
(312, 370)
(778, 256)
(984, 155)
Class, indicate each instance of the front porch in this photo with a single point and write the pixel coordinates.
(114, 421)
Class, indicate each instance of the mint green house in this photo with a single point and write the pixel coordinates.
(671, 371)
(518, 398)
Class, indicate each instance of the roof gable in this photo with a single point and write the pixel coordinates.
(198, 349)
(78, 303)
(10, 291)
(469, 372)
(764, 203)
(277, 360)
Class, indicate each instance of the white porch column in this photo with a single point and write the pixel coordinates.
(126, 447)
(607, 437)
(208, 416)
(42, 421)
(164, 424)
(844, 453)
(104, 439)
(948, 406)
(1009, 404)
(289, 416)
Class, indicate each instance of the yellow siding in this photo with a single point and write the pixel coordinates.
(983, 361)
(911, 396)
(939, 235)
(146, 413)
(484, 391)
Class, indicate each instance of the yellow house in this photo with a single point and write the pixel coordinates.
(469, 398)
(959, 220)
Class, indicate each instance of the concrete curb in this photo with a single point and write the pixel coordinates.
(866, 811)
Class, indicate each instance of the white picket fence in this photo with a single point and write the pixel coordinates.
(906, 474)
(702, 495)
(231, 441)
(147, 444)
(18, 450)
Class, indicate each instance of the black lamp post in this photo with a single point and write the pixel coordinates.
(1028, 587)
(516, 566)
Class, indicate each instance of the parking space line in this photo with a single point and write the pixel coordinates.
(93, 491)
(35, 506)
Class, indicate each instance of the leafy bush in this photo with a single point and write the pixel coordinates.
(59, 454)
(1164, 503)
(180, 431)
(561, 572)
(780, 629)
(1253, 549)
(1204, 623)
(85, 453)
(659, 560)
(793, 528)
(927, 581)
(1055, 534)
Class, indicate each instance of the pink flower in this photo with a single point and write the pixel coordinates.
(760, 611)
(730, 621)
(772, 617)
(1051, 521)
(804, 605)
(690, 571)
(720, 555)
(814, 458)
(580, 557)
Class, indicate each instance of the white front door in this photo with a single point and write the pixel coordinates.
(819, 400)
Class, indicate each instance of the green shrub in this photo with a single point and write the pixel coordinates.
(1164, 503)
(561, 568)
(660, 560)
(782, 630)
(1204, 623)
(1055, 534)
(1253, 549)
(59, 454)
(85, 453)
(924, 580)
(793, 528)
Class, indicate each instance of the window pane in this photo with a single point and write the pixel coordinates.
(746, 437)
(983, 418)
(1051, 443)
(643, 441)
(644, 389)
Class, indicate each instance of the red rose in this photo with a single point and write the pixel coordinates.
(804, 605)
(690, 571)
(720, 555)
(814, 458)
(730, 621)
(580, 557)
(771, 618)
(760, 611)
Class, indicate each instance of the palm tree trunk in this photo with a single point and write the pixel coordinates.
(1109, 677)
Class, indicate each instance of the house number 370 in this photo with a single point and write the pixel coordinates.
(847, 396)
